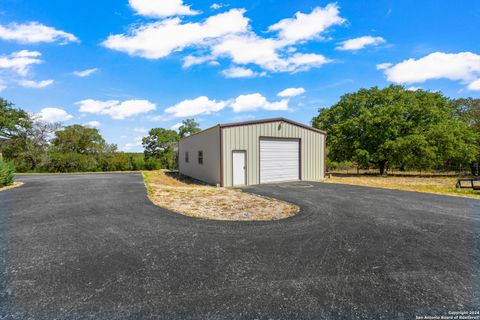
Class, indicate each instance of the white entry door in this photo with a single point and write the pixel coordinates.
(239, 168)
(279, 159)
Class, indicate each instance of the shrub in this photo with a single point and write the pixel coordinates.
(153, 164)
(342, 165)
(136, 161)
(72, 162)
(114, 161)
(7, 172)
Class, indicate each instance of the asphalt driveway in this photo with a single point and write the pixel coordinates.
(93, 246)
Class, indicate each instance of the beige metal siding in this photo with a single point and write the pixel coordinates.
(207, 141)
(247, 137)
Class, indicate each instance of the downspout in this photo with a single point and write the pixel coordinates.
(178, 155)
(324, 156)
(221, 156)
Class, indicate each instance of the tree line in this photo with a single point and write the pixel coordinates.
(372, 128)
(38, 146)
(398, 128)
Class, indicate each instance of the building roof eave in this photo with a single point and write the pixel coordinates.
(246, 123)
(253, 122)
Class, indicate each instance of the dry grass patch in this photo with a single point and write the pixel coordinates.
(437, 185)
(177, 193)
(13, 185)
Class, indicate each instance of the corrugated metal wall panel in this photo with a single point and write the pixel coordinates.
(247, 138)
(207, 141)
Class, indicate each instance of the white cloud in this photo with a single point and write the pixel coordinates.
(35, 84)
(305, 61)
(85, 73)
(463, 67)
(54, 115)
(116, 109)
(384, 66)
(200, 105)
(255, 101)
(93, 124)
(20, 62)
(95, 106)
(26, 54)
(239, 72)
(281, 105)
(161, 8)
(140, 130)
(34, 32)
(228, 35)
(245, 117)
(216, 6)
(291, 92)
(191, 60)
(205, 105)
(161, 117)
(175, 36)
(360, 43)
(308, 26)
(176, 126)
(475, 85)
(239, 48)
(267, 54)
(134, 146)
(413, 88)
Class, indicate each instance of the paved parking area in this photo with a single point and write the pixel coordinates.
(79, 246)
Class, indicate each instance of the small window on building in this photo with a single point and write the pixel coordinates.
(200, 157)
(186, 157)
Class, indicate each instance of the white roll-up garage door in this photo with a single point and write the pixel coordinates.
(279, 159)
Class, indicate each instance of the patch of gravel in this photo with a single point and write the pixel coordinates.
(208, 202)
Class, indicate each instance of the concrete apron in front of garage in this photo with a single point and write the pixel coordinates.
(77, 246)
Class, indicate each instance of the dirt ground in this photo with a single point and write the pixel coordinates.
(195, 199)
(438, 185)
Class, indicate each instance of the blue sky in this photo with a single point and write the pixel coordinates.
(126, 66)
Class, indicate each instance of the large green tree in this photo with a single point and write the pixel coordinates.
(79, 139)
(468, 110)
(160, 145)
(397, 127)
(30, 147)
(12, 120)
(79, 148)
(188, 127)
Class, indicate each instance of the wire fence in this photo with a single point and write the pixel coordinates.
(454, 171)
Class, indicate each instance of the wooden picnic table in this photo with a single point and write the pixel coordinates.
(468, 184)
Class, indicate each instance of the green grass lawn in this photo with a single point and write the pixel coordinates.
(438, 185)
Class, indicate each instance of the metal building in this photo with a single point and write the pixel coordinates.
(254, 152)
